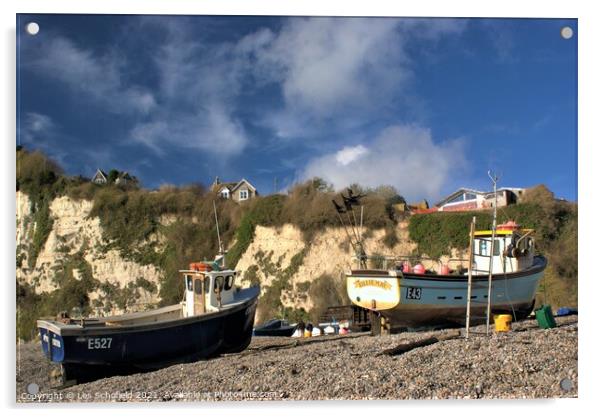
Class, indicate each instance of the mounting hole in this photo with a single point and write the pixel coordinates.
(566, 32)
(566, 384)
(33, 388)
(32, 28)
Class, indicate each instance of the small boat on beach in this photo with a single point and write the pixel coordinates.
(275, 327)
(215, 317)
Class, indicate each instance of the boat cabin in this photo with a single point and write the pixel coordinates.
(513, 249)
(207, 288)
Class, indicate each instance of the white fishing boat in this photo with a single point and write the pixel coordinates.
(501, 277)
(416, 296)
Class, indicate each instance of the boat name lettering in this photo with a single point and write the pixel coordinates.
(360, 283)
(99, 342)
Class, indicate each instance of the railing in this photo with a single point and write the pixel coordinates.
(397, 262)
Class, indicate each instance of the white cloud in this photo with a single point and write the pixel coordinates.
(349, 154)
(34, 124)
(212, 130)
(340, 71)
(198, 87)
(403, 156)
(334, 75)
(40, 131)
(97, 77)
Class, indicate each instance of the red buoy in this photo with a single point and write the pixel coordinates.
(444, 270)
(419, 269)
(406, 266)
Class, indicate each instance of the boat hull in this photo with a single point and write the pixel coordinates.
(413, 300)
(278, 332)
(90, 352)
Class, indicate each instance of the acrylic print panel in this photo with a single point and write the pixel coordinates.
(175, 219)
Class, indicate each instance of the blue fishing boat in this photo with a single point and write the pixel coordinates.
(215, 317)
(275, 327)
(414, 296)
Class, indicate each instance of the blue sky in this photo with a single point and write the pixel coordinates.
(425, 105)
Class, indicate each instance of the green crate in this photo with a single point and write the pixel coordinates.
(544, 317)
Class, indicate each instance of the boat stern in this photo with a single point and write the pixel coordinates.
(374, 290)
(52, 342)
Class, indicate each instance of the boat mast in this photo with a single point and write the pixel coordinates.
(219, 240)
(494, 179)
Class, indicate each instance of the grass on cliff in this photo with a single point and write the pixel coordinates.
(555, 223)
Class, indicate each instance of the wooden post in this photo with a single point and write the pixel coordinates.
(470, 258)
(494, 178)
(375, 329)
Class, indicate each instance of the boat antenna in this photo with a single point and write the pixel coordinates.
(219, 240)
(494, 178)
(354, 237)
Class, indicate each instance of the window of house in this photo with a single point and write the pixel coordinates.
(457, 199)
(225, 194)
(244, 194)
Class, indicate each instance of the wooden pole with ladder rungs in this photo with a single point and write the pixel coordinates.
(469, 286)
(494, 179)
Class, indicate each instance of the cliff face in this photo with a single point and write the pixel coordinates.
(279, 259)
(273, 249)
(328, 254)
(74, 232)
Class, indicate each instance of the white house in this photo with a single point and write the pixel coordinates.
(465, 199)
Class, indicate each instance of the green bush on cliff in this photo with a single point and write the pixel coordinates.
(555, 223)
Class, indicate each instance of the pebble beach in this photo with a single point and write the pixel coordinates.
(527, 362)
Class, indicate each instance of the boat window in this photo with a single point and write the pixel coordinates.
(218, 284)
(483, 247)
(188, 282)
(207, 282)
(482, 250)
(197, 286)
(470, 196)
(229, 282)
(496, 247)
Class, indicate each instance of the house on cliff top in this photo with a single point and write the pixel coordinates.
(236, 191)
(465, 199)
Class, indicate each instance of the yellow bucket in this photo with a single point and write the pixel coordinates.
(307, 333)
(503, 322)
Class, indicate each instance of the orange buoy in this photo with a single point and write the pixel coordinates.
(406, 266)
(509, 225)
(419, 269)
(200, 267)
